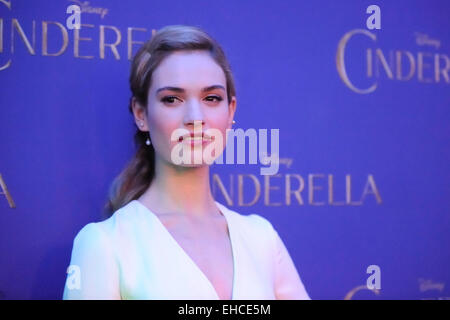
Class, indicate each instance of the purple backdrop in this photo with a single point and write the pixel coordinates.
(382, 156)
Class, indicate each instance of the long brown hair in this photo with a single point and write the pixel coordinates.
(136, 177)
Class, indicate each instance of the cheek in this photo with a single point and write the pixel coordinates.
(218, 117)
(222, 127)
(161, 125)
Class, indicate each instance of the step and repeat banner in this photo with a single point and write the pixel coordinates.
(359, 91)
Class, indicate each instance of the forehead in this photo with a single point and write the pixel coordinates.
(188, 69)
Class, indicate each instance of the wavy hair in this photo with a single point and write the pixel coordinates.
(138, 174)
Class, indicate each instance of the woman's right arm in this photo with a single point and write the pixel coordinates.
(93, 272)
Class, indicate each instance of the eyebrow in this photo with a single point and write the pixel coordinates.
(181, 90)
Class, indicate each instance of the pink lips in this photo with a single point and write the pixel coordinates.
(201, 138)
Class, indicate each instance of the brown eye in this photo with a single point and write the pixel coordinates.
(214, 97)
(168, 99)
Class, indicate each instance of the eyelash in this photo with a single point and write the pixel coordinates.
(167, 98)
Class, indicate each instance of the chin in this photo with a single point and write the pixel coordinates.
(193, 165)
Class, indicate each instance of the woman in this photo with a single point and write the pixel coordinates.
(167, 237)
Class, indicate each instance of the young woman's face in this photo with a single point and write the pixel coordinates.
(188, 88)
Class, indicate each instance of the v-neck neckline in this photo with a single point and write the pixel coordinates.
(192, 262)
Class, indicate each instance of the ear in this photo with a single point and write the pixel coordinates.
(231, 111)
(139, 115)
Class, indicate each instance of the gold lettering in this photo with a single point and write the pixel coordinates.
(369, 63)
(45, 38)
(216, 180)
(412, 65)
(77, 39)
(330, 192)
(1, 35)
(113, 46)
(340, 60)
(131, 42)
(241, 190)
(295, 192)
(373, 188)
(6, 3)
(379, 57)
(312, 188)
(6, 193)
(267, 189)
(352, 292)
(16, 25)
(348, 191)
(7, 64)
(438, 70)
(421, 66)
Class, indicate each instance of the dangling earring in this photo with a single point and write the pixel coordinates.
(148, 139)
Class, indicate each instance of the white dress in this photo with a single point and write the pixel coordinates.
(132, 255)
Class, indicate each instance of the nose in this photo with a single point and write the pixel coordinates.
(194, 116)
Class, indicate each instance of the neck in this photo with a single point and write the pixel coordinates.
(180, 190)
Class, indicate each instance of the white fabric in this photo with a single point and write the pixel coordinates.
(131, 255)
